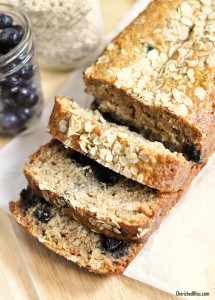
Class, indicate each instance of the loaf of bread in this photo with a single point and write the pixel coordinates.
(99, 190)
(158, 76)
(116, 147)
(99, 198)
(68, 238)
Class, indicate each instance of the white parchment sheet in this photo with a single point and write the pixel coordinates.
(180, 255)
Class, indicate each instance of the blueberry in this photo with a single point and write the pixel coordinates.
(111, 244)
(9, 37)
(13, 81)
(26, 98)
(32, 101)
(9, 105)
(191, 153)
(43, 213)
(32, 85)
(9, 92)
(14, 90)
(28, 199)
(79, 158)
(107, 176)
(5, 21)
(20, 31)
(94, 105)
(24, 113)
(27, 71)
(10, 121)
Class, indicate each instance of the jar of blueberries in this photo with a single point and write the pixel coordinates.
(20, 92)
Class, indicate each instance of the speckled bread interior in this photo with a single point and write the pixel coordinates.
(158, 76)
(100, 199)
(70, 239)
(116, 147)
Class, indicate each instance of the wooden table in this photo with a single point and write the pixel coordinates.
(28, 270)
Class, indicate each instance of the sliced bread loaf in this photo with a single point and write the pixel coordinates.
(99, 198)
(68, 238)
(116, 147)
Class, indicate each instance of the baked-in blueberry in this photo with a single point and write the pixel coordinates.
(5, 21)
(43, 213)
(28, 199)
(191, 153)
(79, 158)
(107, 176)
(111, 244)
(94, 105)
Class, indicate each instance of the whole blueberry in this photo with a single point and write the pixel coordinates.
(5, 21)
(10, 121)
(32, 85)
(14, 90)
(9, 92)
(27, 71)
(9, 37)
(9, 105)
(24, 113)
(20, 31)
(26, 98)
(13, 81)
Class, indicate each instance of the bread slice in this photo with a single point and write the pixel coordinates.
(169, 99)
(96, 197)
(116, 147)
(70, 239)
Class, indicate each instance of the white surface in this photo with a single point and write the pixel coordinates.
(177, 256)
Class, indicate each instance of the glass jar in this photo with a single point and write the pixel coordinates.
(67, 33)
(20, 91)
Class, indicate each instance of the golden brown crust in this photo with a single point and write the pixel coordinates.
(154, 165)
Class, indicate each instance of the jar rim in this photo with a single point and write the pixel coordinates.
(14, 11)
